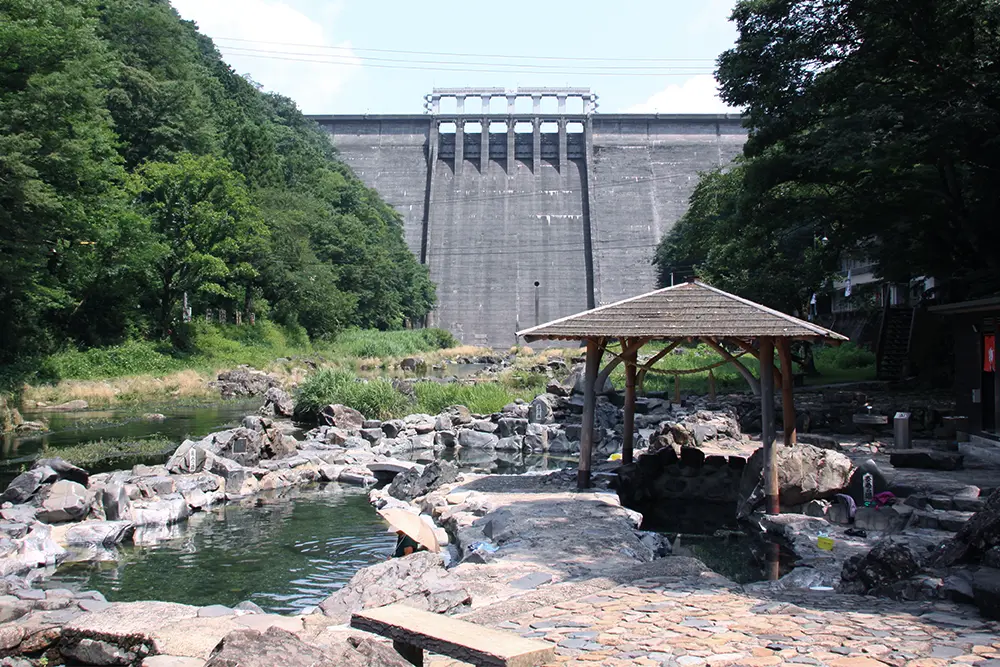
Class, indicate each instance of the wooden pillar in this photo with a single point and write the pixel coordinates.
(589, 401)
(787, 392)
(630, 370)
(677, 389)
(771, 498)
(711, 385)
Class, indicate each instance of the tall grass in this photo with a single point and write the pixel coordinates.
(375, 399)
(379, 399)
(367, 344)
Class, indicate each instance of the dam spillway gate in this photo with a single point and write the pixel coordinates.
(536, 208)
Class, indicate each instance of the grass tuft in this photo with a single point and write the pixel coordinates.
(107, 451)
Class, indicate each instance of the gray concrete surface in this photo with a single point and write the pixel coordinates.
(580, 213)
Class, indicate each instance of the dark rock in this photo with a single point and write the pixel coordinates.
(855, 488)
(511, 426)
(691, 456)
(804, 473)
(279, 400)
(992, 557)
(413, 484)
(65, 470)
(877, 571)
(821, 441)
(459, 415)
(393, 427)
(372, 435)
(926, 459)
(244, 381)
(986, 591)
(232, 472)
(477, 439)
(24, 486)
(346, 418)
(445, 439)
(975, 539)
(418, 580)
(116, 503)
(540, 411)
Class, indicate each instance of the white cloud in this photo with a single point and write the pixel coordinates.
(698, 94)
(314, 86)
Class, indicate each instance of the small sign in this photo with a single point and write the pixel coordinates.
(824, 543)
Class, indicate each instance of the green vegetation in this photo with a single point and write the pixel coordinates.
(870, 137)
(376, 399)
(136, 168)
(113, 451)
(388, 344)
(380, 399)
(846, 363)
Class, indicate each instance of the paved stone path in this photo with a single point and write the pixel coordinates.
(684, 622)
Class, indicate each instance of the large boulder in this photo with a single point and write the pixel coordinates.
(414, 483)
(804, 473)
(244, 381)
(117, 505)
(64, 469)
(878, 571)
(23, 487)
(477, 439)
(346, 418)
(277, 400)
(66, 501)
(246, 447)
(99, 533)
(986, 591)
(975, 539)
(275, 646)
(418, 580)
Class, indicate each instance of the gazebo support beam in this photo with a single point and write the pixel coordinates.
(754, 352)
(630, 347)
(743, 370)
(630, 370)
(771, 497)
(595, 351)
(787, 392)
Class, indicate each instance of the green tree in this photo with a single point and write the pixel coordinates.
(881, 119)
(206, 229)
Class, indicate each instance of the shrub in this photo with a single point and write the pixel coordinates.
(844, 357)
(480, 398)
(375, 399)
(385, 344)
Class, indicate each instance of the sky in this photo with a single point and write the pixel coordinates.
(383, 56)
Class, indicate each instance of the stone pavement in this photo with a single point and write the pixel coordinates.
(690, 622)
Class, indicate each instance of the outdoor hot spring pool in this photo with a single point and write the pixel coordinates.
(283, 553)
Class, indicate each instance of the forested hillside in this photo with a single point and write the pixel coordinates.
(135, 166)
(873, 133)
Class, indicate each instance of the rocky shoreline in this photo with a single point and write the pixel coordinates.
(514, 543)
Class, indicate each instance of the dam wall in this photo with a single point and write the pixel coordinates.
(523, 218)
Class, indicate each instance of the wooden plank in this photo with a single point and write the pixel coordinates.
(453, 637)
(771, 498)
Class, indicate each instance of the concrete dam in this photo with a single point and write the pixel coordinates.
(536, 208)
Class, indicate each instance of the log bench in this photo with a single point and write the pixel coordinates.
(412, 631)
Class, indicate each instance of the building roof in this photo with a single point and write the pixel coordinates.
(689, 310)
(975, 306)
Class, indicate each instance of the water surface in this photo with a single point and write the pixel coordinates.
(283, 553)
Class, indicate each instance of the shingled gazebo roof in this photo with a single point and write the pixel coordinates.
(688, 310)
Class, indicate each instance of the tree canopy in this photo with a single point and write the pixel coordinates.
(873, 128)
(135, 166)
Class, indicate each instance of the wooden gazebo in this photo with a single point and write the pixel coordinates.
(689, 312)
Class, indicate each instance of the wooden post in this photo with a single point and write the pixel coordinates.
(787, 392)
(767, 425)
(677, 389)
(630, 370)
(711, 385)
(589, 401)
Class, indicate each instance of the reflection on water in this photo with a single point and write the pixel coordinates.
(285, 554)
(72, 428)
(741, 557)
